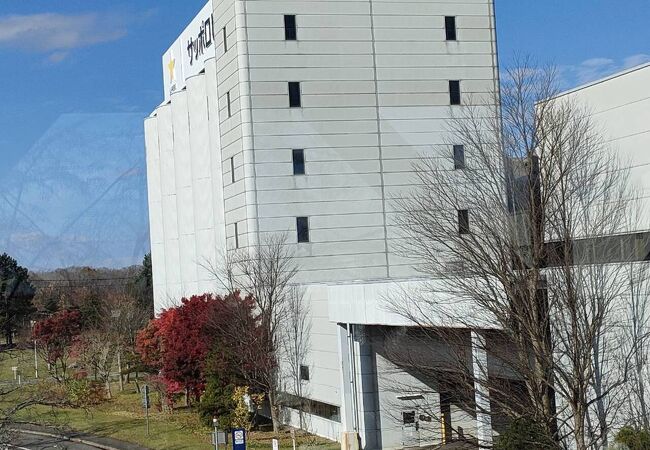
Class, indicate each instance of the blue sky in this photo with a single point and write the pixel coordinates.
(96, 64)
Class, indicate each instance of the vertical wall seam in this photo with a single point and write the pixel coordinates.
(247, 92)
(379, 136)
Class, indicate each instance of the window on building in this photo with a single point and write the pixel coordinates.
(450, 28)
(294, 94)
(290, 27)
(228, 103)
(232, 169)
(320, 409)
(454, 92)
(463, 221)
(459, 157)
(236, 236)
(225, 39)
(408, 417)
(302, 229)
(304, 373)
(298, 156)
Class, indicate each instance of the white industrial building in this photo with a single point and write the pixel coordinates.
(305, 116)
(619, 106)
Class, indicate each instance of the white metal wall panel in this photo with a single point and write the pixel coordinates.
(154, 192)
(184, 197)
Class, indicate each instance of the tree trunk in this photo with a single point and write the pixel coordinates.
(119, 370)
(579, 428)
(275, 413)
(109, 394)
(187, 397)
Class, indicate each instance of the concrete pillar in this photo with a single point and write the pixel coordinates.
(359, 402)
(481, 391)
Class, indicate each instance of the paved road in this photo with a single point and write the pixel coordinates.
(31, 442)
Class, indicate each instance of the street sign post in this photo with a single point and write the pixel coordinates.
(218, 438)
(238, 439)
(145, 404)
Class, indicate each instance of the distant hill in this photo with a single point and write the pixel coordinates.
(78, 197)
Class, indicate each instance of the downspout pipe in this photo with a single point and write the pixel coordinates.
(353, 378)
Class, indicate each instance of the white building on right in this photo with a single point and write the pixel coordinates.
(620, 107)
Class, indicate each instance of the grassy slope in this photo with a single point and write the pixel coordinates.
(123, 418)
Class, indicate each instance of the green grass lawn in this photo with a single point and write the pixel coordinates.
(123, 418)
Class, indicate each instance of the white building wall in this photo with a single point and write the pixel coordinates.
(374, 83)
(169, 209)
(154, 191)
(620, 109)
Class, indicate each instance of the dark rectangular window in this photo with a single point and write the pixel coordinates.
(298, 156)
(225, 39)
(302, 228)
(408, 417)
(320, 409)
(459, 157)
(450, 28)
(290, 27)
(454, 92)
(463, 221)
(236, 236)
(304, 373)
(228, 102)
(232, 169)
(294, 94)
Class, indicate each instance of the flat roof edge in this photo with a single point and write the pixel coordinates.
(604, 79)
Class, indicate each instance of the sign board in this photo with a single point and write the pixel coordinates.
(239, 439)
(145, 397)
(276, 444)
(221, 438)
(186, 56)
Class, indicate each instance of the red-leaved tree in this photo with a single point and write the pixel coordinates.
(177, 343)
(241, 352)
(55, 337)
(206, 334)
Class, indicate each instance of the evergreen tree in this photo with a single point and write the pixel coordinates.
(16, 294)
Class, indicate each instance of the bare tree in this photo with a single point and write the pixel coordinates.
(296, 345)
(518, 240)
(637, 326)
(266, 271)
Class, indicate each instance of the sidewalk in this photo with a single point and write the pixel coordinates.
(103, 443)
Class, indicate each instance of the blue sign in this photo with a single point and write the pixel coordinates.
(238, 439)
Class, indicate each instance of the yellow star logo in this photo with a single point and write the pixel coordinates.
(170, 66)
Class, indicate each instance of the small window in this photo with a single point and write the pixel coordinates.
(236, 236)
(463, 221)
(294, 94)
(304, 373)
(454, 92)
(232, 169)
(298, 156)
(459, 157)
(290, 27)
(228, 102)
(450, 28)
(408, 417)
(302, 228)
(225, 39)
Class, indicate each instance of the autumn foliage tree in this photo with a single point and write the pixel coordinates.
(55, 338)
(206, 337)
(177, 343)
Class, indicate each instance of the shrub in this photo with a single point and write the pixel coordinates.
(218, 401)
(634, 438)
(83, 392)
(524, 433)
